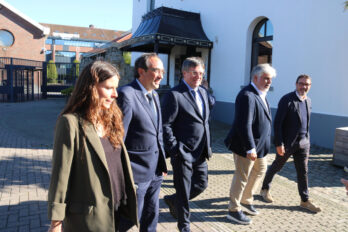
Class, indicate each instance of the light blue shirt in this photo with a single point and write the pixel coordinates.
(145, 92)
(199, 100)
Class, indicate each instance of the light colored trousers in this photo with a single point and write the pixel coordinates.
(247, 177)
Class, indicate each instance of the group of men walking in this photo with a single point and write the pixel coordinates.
(178, 128)
(250, 136)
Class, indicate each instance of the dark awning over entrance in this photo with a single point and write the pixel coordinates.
(163, 28)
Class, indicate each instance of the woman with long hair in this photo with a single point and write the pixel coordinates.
(91, 183)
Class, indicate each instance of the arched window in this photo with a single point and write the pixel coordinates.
(6, 38)
(262, 43)
(151, 5)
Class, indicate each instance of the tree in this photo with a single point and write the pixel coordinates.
(127, 57)
(346, 5)
(76, 65)
(52, 74)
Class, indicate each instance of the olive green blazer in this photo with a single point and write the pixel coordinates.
(80, 191)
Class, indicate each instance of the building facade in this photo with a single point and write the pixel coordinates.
(301, 37)
(67, 43)
(20, 36)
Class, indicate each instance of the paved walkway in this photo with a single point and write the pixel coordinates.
(26, 132)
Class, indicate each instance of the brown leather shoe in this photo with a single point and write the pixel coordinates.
(310, 206)
(266, 195)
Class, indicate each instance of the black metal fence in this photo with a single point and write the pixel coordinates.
(27, 80)
(20, 79)
(58, 76)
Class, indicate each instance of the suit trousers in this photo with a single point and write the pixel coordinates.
(148, 205)
(246, 179)
(190, 180)
(300, 156)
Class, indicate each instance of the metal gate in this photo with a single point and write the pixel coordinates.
(58, 76)
(20, 79)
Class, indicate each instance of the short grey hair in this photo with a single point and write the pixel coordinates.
(192, 62)
(261, 69)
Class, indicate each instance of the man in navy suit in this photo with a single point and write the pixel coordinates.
(249, 139)
(291, 137)
(187, 139)
(142, 121)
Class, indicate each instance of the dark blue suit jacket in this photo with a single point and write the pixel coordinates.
(287, 122)
(185, 130)
(251, 127)
(143, 133)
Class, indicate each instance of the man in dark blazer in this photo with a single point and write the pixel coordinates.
(187, 139)
(291, 137)
(249, 139)
(143, 136)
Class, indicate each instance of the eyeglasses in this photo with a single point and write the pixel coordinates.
(194, 73)
(157, 71)
(304, 84)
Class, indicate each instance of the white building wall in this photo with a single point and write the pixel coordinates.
(310, 37)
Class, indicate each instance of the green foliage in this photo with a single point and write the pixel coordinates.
(346, 5)
(52, 74)
(77, 68)
(67, 91)
(127, 57)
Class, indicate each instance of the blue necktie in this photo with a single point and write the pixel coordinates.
(152, 104)
(198, 101)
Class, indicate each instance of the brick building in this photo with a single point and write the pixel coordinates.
(67, 43)
(20, 36)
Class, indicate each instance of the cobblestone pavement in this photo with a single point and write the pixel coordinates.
(25, 162)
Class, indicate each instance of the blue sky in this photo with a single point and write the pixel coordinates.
(107, 14)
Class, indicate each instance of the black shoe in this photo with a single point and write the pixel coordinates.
(238, 217)
(250, 209)
(170, 202)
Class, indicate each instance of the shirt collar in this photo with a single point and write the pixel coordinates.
(301, 98)
(262, 94)
(189, 87)
(143, 90)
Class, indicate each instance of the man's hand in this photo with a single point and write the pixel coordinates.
(56, 226)
(252, 156)
(280, 150)
(345, 182)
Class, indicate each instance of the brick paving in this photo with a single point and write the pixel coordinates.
(25, 162)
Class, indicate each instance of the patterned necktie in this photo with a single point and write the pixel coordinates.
(198, 101)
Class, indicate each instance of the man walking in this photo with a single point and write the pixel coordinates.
(291, 136)
(249, 140)
(143, 136)
(187, 139)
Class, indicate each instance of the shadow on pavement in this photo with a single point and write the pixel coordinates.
(22, 171)
(29, 124)
(25, 216)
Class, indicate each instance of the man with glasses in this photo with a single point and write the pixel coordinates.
(187, 139)
(291, 137)
(143, 137)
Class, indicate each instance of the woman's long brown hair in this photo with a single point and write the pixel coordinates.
(84, 101)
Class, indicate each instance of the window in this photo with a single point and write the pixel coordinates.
(262, 43)
(151, 5)
(6, 38)
(48, 41)
(65, 57)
